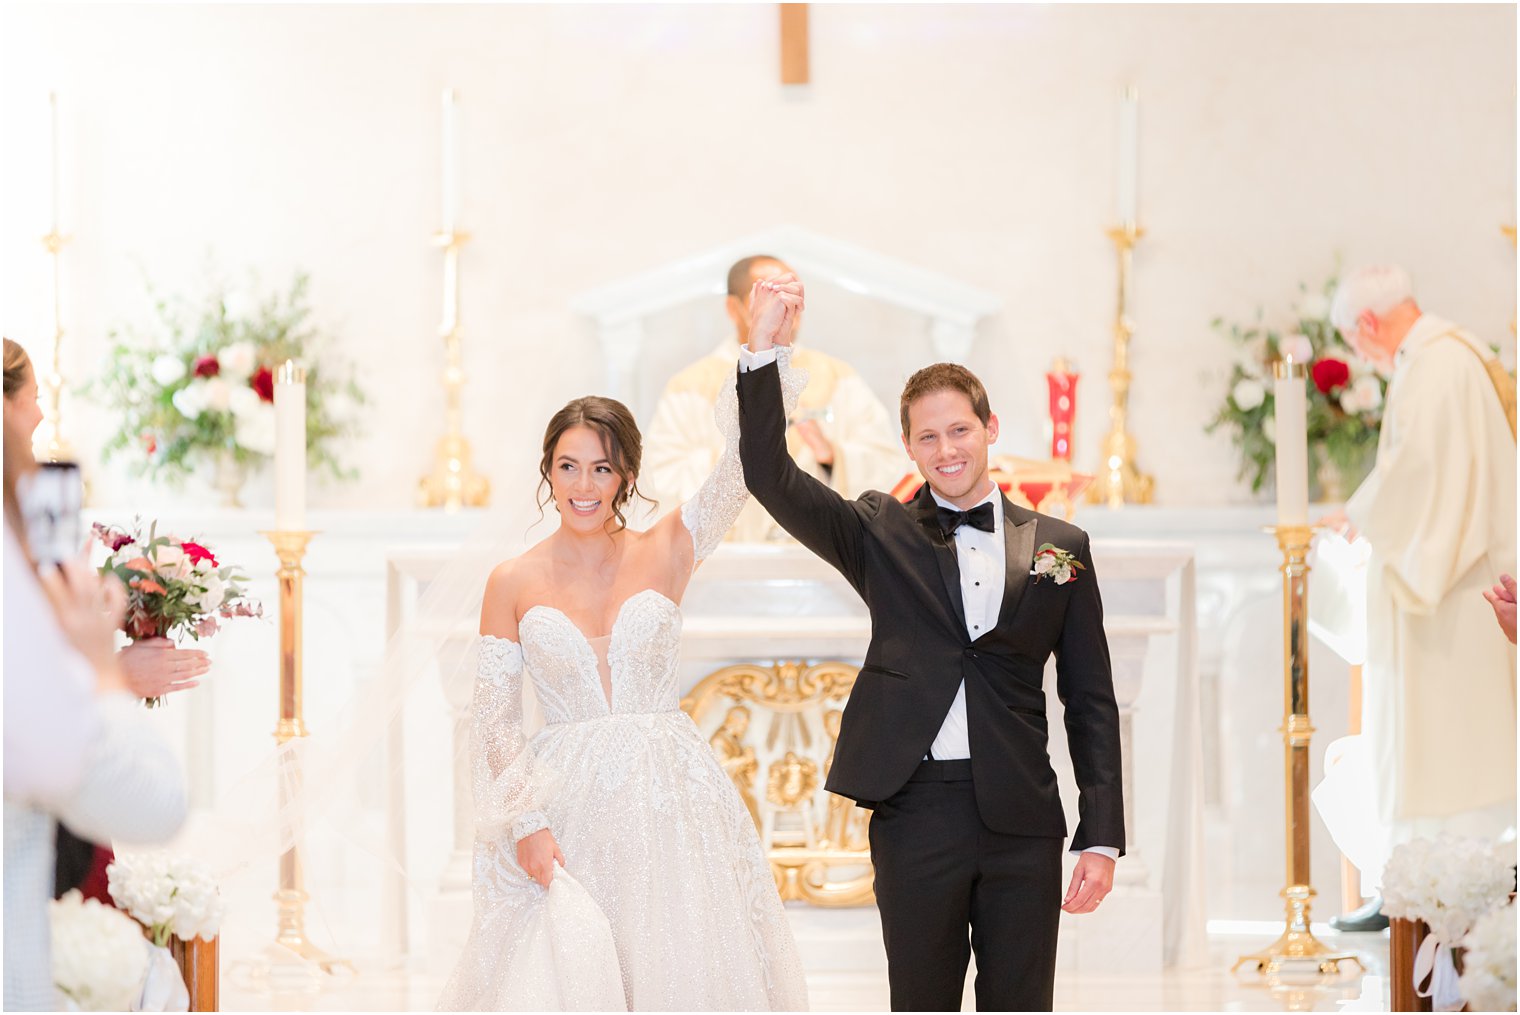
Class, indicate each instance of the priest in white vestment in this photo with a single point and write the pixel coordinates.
(841, 433)
(1438, 509)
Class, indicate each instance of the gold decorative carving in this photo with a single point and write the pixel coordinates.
(780, 724)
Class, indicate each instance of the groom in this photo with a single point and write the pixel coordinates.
(945, 733)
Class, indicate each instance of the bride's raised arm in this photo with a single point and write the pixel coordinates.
(711, 512)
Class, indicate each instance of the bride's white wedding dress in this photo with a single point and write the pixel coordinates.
(669, 901)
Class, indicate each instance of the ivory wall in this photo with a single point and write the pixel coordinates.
(973, 141)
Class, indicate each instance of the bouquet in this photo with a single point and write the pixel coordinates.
(198, 385)
(168, 895)
(100, 960)
(1345, 395)
(175, 588)
(1487, 982)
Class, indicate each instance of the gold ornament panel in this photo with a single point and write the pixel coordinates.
(773, 729)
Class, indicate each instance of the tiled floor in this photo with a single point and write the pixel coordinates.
(1209, 988)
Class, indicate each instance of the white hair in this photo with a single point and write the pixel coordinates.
(1378, 288)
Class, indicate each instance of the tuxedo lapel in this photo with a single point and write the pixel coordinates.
(1018, 551)
(944, 553)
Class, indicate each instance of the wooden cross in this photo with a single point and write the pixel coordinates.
(794, 44)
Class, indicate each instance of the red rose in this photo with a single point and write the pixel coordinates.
(1329, 374)
(197, 553)
(207, 366)
(150, 443)
(263, 383)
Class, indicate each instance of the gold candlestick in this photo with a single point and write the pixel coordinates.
(454, 482)
(54, 447)
(291, 897)
(1297, 943)
(1119, 480)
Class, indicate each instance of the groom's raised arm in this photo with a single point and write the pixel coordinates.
(818, 517)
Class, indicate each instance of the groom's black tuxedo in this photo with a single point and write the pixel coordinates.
(905, 569)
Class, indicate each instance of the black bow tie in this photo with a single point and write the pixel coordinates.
(979, 517)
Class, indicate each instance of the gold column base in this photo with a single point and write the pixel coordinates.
(1298, 946)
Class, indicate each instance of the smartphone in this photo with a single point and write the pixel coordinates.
(50, 500)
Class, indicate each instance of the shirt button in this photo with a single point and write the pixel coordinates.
(978, 584)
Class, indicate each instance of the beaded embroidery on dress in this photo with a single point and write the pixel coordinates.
(667, 901)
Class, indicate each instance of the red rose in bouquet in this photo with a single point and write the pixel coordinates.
(262, 382)
(1331, 373)
(207, 366)
(197, 553)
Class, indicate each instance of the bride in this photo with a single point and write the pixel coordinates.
(614, 864)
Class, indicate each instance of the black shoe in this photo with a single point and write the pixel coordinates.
(1366, 920)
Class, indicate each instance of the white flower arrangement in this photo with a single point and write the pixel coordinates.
(100, 959)
(167, 894)
(1488, 961)
(1447, 882)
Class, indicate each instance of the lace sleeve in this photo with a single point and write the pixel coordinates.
(711, 513)
(502, 764)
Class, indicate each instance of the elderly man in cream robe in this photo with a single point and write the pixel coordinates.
(1438, 511)
(841, 433)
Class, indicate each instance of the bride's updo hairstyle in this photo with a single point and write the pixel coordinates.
(620, 437)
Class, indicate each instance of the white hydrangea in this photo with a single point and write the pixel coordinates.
(100, 958)
(1447, 882)
(244, 402)
(1269, 429)
(1488, 964)
(238, 360)
(168, 370)
(255, 431)
(168, 894)
(1248, 393)
(191, 400)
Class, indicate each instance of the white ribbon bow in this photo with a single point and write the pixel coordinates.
(1434, 960)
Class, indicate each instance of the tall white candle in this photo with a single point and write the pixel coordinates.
(1129, 153)
(450, 178)
(1290, 389)
(290, 448)
(53, 116)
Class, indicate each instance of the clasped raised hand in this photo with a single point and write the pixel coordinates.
(774, 307)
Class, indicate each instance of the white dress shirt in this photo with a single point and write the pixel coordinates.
(983, 568)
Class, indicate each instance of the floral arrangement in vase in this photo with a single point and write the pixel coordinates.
(196, 388)
(167, 895)
(175, 588)
(1345, 396)
(1449, 883)
(100, 959)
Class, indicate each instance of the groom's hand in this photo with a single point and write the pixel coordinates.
(1090, 882)
(774, 305)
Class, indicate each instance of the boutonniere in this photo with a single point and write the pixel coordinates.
(1059, 564)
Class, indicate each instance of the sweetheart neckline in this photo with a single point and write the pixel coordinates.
(617, 617)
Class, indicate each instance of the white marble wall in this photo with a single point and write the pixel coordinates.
(975, 141)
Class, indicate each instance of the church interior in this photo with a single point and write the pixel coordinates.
(451, 219)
